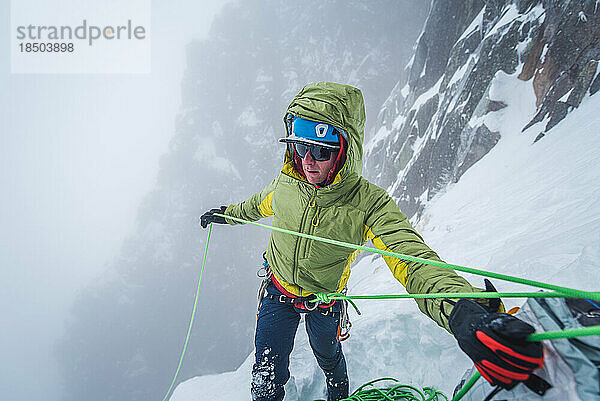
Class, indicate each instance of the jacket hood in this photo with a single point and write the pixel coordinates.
(341, 106)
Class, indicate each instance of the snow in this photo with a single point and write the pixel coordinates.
(476, 24)
(543, 55)
(565, 97)
(419, 142)
(538, 12)
(519, 192)
(405, 90)
(459, 74)
(381, 134)
(411, 61)
(421, 100)
(530, 210)
(398, 121)
(509, 15)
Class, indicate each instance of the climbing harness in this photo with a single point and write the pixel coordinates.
(310, 303)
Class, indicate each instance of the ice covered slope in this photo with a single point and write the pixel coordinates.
(531, 211)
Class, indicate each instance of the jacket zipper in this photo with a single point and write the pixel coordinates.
(311, 204)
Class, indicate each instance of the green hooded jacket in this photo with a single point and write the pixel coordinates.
(350, 209)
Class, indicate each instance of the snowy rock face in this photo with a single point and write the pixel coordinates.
(430, 130)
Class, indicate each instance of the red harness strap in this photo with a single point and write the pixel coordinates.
(299, 305)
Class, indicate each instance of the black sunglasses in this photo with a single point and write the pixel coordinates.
(318, 152)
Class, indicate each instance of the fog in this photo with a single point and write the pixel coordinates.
(77, 154)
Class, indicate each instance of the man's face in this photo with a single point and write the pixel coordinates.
(315, 171)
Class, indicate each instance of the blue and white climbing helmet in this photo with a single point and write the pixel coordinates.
(312, 132)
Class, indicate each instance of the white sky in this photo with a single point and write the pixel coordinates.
(77, 154)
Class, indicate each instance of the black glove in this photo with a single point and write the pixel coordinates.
(496, 343)
(209, 217)
(493, 304)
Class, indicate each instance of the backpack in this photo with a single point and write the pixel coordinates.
(571, 366)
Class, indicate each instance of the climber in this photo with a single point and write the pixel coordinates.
(320, 191)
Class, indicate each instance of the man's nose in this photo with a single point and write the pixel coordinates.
(308, 159)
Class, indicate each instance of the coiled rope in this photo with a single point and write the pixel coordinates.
(395, 392)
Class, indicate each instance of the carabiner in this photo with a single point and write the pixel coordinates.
(309, 308)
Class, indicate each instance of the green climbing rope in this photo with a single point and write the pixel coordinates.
(569, 292)
(468, 385)
(187, 337)
(395, 392)
(326, 298)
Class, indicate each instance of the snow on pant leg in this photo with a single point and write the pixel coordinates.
(275, 331)
(322, 334)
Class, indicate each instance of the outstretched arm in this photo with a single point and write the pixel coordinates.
(254, 208)
(390, 230)
(496, 342)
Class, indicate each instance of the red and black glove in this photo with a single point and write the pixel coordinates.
(496, 342)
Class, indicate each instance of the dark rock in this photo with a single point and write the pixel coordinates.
(483, 141)
(539, 116)
(562, 86)
(570, 62)
(526, 5)
(582, 83)
(595, 85)
(540, 136)
(532, 59)
(524, 31)
(557, 113)
(425, 113)
(495, 105)
(446, 21)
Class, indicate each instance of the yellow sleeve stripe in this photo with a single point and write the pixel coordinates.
(398, 267)
(265, 206)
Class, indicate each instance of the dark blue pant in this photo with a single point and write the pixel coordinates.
(275, 331)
